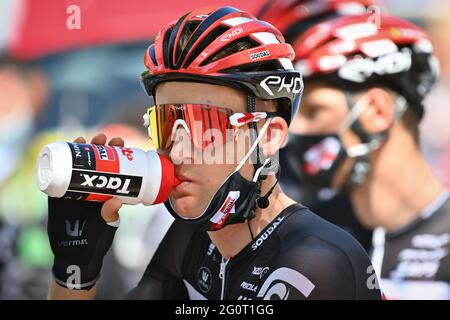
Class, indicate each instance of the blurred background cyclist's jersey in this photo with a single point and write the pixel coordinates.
(414, 260)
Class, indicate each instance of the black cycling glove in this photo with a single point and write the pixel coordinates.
(79, 239)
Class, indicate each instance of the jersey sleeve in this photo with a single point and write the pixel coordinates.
(163, 277)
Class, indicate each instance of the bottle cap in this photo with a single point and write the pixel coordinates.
(54, 167)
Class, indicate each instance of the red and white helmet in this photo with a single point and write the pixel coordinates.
(356, 52)
(293, 17)
(230, 47)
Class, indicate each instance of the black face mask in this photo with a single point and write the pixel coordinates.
(232, 203)
(314, 159)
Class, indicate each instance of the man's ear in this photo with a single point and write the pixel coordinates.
(275, 136)
(380, 111)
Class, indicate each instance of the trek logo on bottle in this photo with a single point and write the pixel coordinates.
(105, 183)
(102, 153)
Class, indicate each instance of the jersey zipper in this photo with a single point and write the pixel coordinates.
(223, 266)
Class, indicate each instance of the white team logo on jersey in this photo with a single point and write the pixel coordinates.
(275, 284)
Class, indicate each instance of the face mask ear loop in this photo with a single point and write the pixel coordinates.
(258, 171)
(354, 114)
(360, 152)
(251, 213)
(374, 141)
(254, 145)
(256, 178)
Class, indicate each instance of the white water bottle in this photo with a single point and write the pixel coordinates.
(97, 173)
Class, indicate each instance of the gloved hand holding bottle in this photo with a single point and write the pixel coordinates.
(81, 232)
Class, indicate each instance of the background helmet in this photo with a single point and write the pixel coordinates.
(355, 53)
(294, 17)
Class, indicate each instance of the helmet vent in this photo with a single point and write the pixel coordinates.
(205, 42)
(151, 53)
(231, 48)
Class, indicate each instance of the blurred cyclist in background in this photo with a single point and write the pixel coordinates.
(358, 133)
(24, 249)
(293, 18)
(435, 130)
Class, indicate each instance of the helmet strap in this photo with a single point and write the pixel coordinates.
(261, 202)
(251, 107)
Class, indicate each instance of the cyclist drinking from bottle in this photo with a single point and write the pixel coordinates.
(222, 81)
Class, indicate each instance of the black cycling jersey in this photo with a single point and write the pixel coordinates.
(297, 256)
(414, 260)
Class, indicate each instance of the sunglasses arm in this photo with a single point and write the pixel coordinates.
(239, 119)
